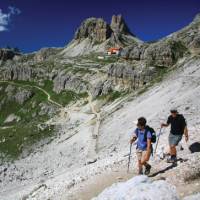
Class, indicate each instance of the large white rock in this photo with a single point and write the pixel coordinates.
(139, 188)
(193, 197)
(11, 118)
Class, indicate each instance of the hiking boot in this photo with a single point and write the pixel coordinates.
(173, 159)
(147, 169)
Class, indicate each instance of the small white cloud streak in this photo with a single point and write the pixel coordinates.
(6, 17)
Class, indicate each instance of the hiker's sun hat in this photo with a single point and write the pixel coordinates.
(173, 110)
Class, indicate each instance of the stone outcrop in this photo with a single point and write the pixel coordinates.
(97, 30)
(22, 72)
(139, 187)
(45, 53)
(135, 51)
(118, 25)
(127, 76)
(95, 35)
(101, 88)
(23, 95)
(19, 95)
(12, 118)
(189, 35)
(66, 81)
(162, 53)
(6, 54)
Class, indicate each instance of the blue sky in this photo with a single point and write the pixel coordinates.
(33, 24)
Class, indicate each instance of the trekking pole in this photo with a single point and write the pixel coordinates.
(157, 140)
(129, 157)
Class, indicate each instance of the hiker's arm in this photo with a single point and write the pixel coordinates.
(133, 136)
(186, 134)
(133, 139)
(164, 125)
(185, 129)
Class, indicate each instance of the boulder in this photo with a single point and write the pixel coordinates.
(23, 95)
(139, 188)
(193, 197)
(12, 118)
(68, 81)
(7, 54)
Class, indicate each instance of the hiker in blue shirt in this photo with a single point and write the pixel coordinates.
(144, 147)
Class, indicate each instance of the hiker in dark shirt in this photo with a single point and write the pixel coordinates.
(178, 128)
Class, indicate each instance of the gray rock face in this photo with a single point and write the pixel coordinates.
(128, 77)
(6, 54)
(22, 72)
(97, 30)
(12, 118)
(134, 51)
(189, 35)
(118, 25)
(45, 53)
(47, 109)
(162, 53)
(139, 188)
(101, 88)
(64, 81)
(23, 95)
(20, 95)
(193, 197)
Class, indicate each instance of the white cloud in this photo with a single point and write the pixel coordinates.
(5, 18)
(2, 28)
(13, 10)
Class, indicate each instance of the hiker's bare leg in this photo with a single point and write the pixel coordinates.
(139, 166)
(145, 159)
(173, 150)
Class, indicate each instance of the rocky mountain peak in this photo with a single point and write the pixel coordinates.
(197, 18)
(6, 54)
(118, 25)
(96, 35)
(96, 29)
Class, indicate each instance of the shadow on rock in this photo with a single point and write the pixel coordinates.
(164, 170)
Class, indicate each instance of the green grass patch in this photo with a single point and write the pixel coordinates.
(93, 57)
(111, 96)
(19, 138)
(63, 98)
(16, 137)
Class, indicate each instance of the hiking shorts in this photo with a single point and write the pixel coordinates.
(140, 154)
(174, 139)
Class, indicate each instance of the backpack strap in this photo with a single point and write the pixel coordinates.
(145, 134)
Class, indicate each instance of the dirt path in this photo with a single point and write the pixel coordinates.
(92, 149)
(94, 186)
(39, 88)
(162, 171)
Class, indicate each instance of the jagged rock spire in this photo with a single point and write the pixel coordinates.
(118, 25)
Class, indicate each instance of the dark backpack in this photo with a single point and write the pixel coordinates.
(153, 134)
